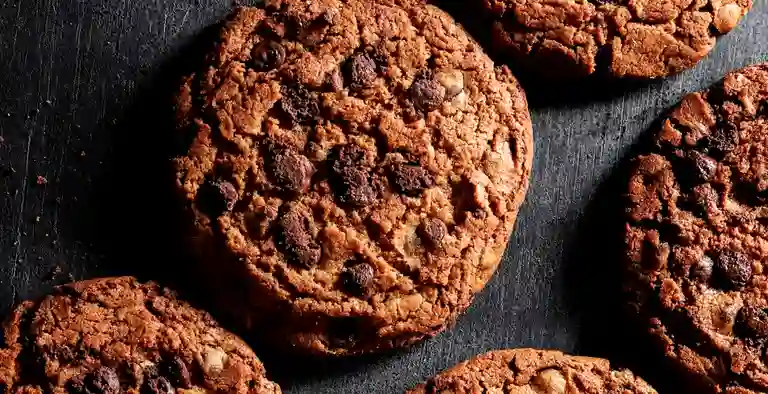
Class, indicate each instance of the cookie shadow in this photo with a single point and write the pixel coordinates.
(292, 371)
(542, 90)
(132, 216)
(594, 277)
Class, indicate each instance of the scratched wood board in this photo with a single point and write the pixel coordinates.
(82, 93)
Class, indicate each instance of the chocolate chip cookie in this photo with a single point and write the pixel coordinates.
(624, 38)
(355, 170)
(697, 234)
(115, 335)
(534, 371)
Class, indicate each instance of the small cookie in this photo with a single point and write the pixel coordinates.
(356, 170)
(629, 38)
(533, 371)
(697, 234)
(114, 335)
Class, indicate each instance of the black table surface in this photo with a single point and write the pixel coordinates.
(81, 83)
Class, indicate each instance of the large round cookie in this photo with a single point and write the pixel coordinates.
(355, 173)
(697, 234)
(114, 335)
(533, 371)
(628, 38)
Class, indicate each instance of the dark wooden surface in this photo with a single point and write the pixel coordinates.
(81, 92)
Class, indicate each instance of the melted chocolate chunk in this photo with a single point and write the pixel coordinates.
(216, 197)
(432, 231)
(360, 71)
(357, 279)
(752, 322)
(426, 92)
(297, 241)
(411, 179)
(179, 373)
(299, 104)
(291, 171)
(267, 55)
(352, 178)
(158, 385)
(104, 380)
(734, 270)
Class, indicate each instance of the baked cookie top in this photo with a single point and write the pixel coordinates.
(629, 38)
(114, 335)
(697, 234)
(533, 371)
(360, 163)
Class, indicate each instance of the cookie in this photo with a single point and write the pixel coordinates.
(355, 171)
(115, 335)
(534, 371)
(697, 235)
(623, 38)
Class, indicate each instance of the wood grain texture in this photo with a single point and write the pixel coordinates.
(81, 87)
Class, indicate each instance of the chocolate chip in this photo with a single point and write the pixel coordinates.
(267, 55)
(104, 380)
(702, 270)
(347, 156)
(297, 241)
(216, 197)
(352, 179)
(702, 167)
(426, 92)
(298, 103)
(355, 188)
(733, 269)
(159, 385)
(752, 322)
(360, 71)
(411, 179)
(291, 171)
(432, 231)
(179, 373)
(722, 140)
(357, 279)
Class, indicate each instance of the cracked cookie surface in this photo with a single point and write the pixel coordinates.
(627, 38)
(356, 170)
(533, 371)
(697, 235)
(115, 335)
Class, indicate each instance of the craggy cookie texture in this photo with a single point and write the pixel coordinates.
(356, 170)
(531, 371)
(697, 236)
(113, 336)
(630, 38)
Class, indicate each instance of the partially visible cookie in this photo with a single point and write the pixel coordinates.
(628, 38)
(697, 235)
(355, 171)
(115, 335)
(532, 371)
